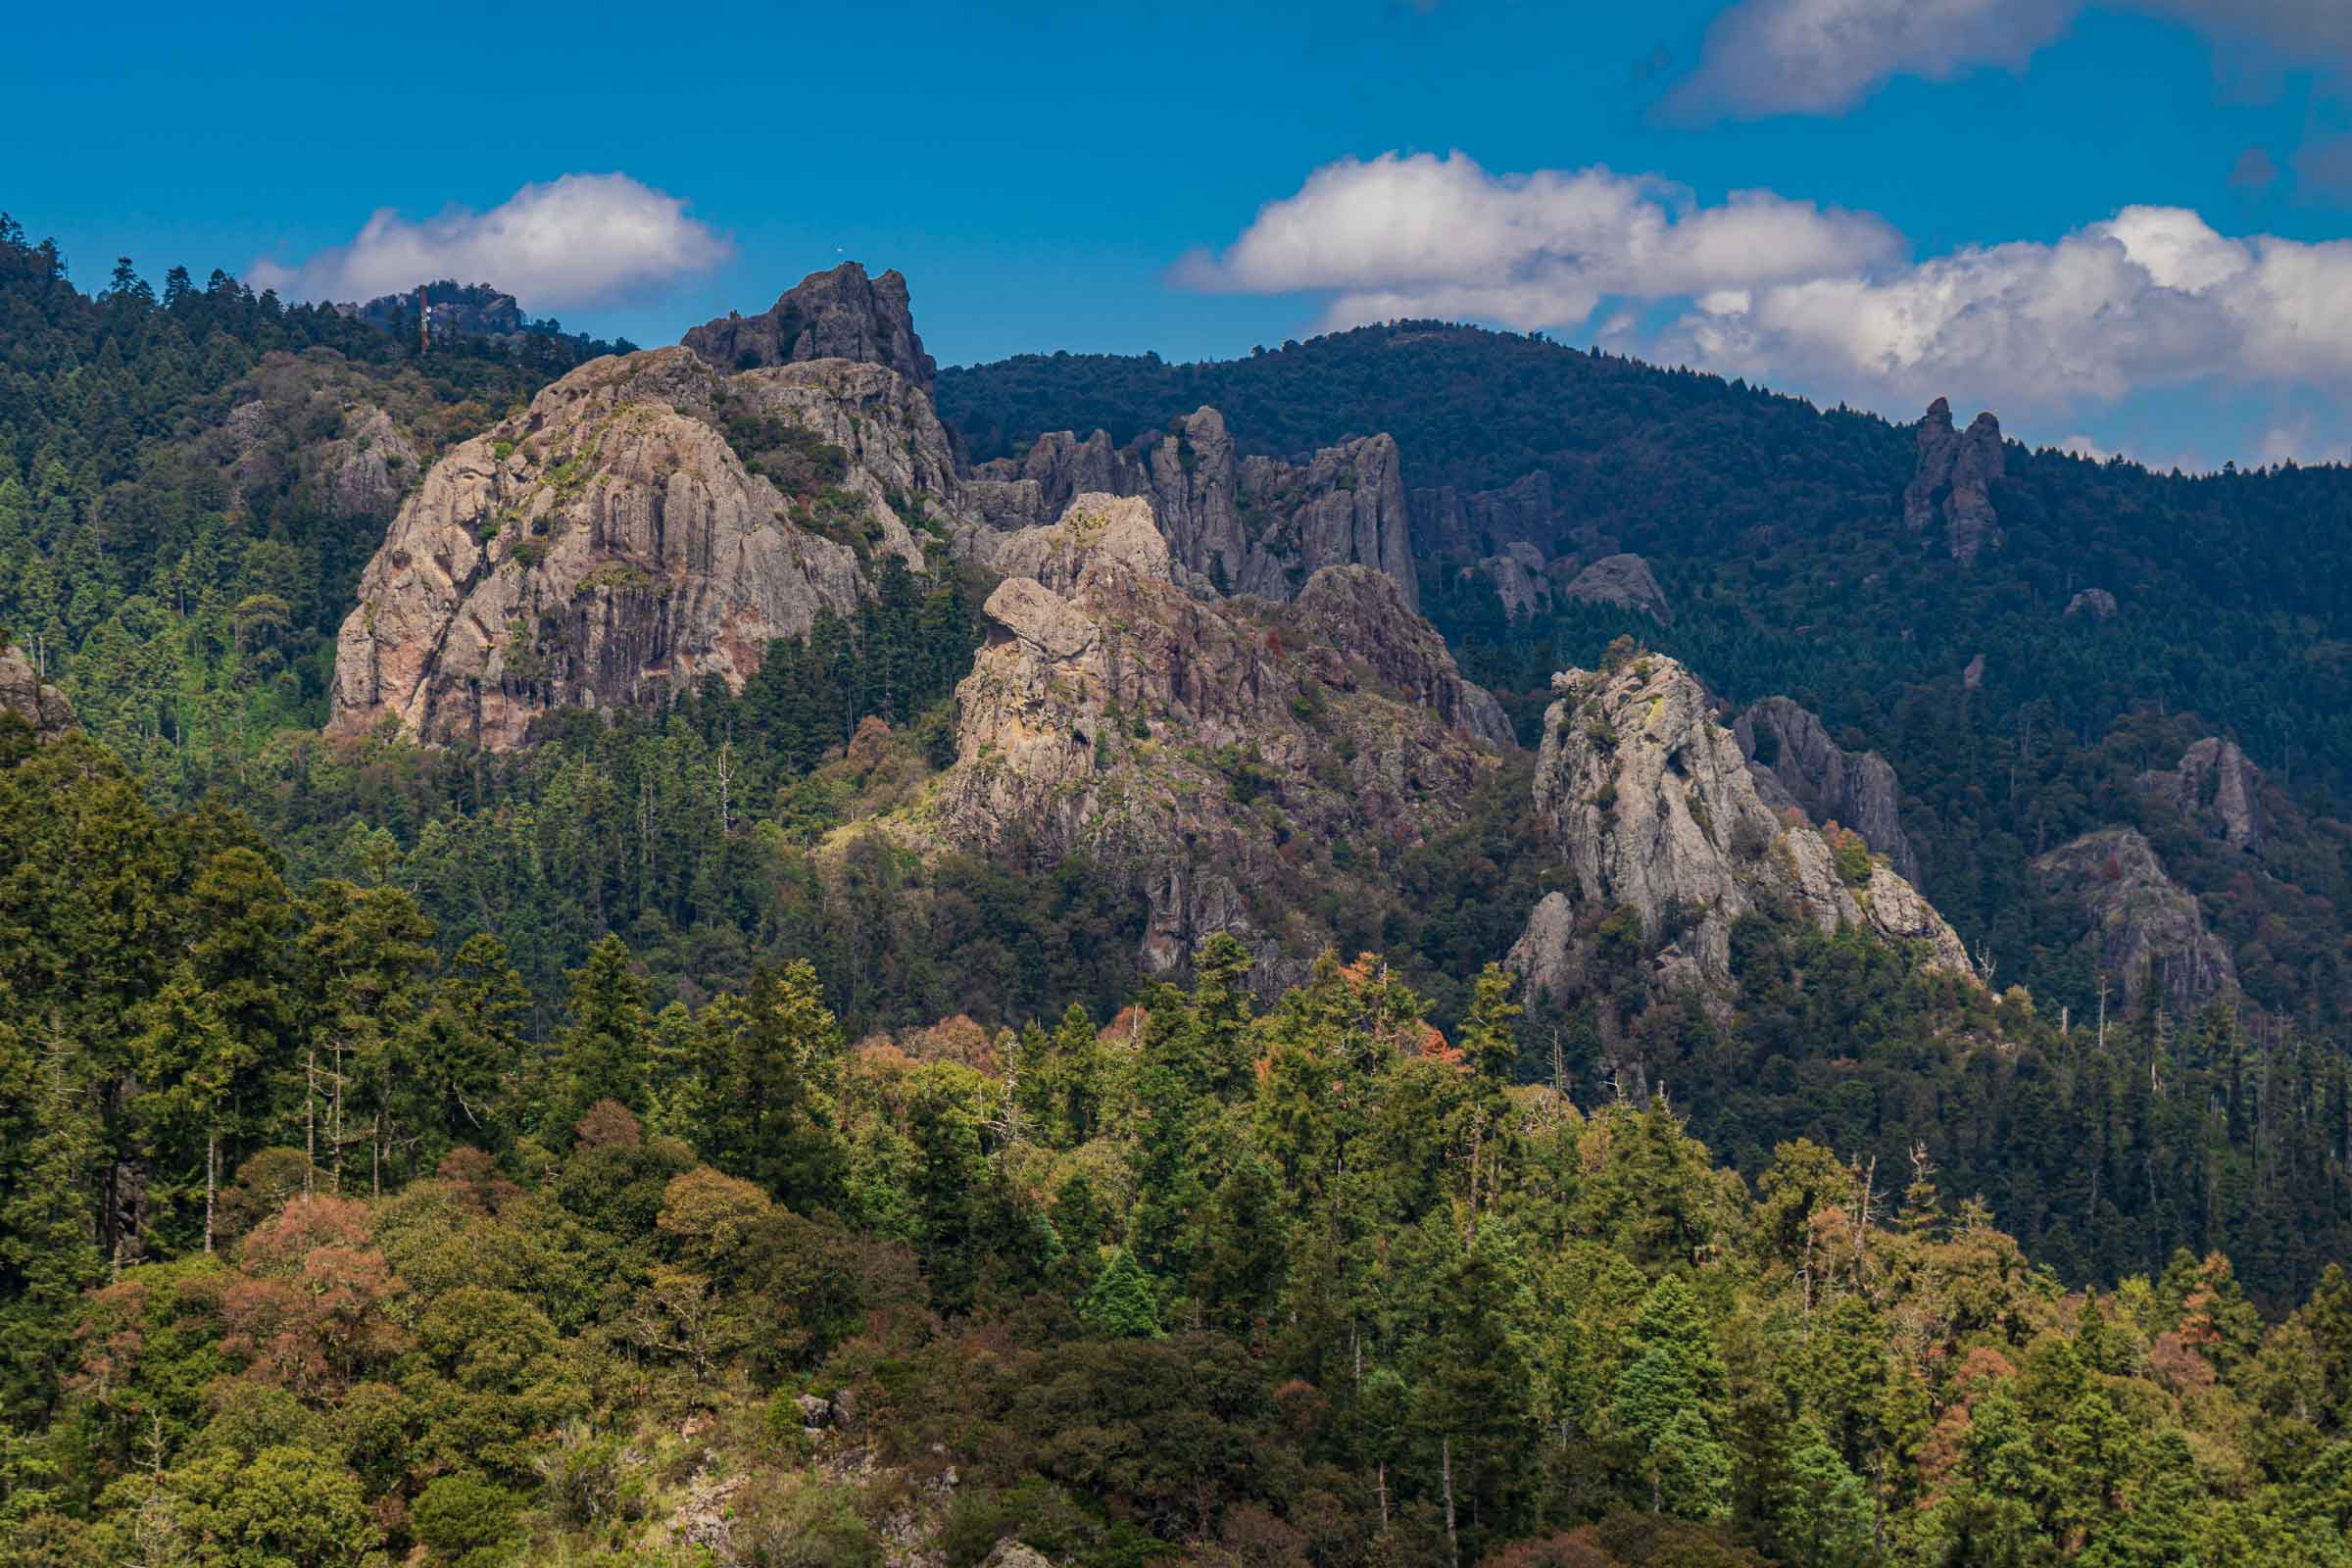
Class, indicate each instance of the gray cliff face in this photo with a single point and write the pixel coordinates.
(837, 315)
(1257, 525)
(1955, 476)
(1487, 522)
(1651, 807)
(1796, 764)
(2219, 788)
(1113, 711)
(1624, 581)
(607, 547)
(1519, 578)
(2144, 928)
(24, 694)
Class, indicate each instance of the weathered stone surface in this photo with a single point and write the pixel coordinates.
(1257, 525)
(1954, 475)
(1652, 807)
(1796, 764)
(2218, 787)
(607, 547)
(370, 467)
(836, 315)
(1361, 615)
(1011, 1553)
(1448, 522)
(2097, 604)
(1519, 579)
(2145, 928)
(24, 694)
(1624, 581)
(1199, 751)
(1972, 678)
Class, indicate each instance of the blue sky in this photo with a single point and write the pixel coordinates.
(1042, 173)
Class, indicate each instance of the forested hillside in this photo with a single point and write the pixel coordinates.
(679, 1135)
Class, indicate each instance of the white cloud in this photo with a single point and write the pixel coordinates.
(1816, 300)
(1423, 236)
(576, 240)
(2082, 446)
(1769, 57)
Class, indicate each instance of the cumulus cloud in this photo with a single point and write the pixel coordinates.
(1817, 300)
(1772, 57)
(576, 240)
(1423, 235)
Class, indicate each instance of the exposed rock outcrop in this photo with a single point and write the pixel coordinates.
(1954, 478)
(1624, 581)
(1519, 579)
(370, 467)
(1257, 525)
(24, 694)
(1200, 751)
(609, 546)
(1654, 810)
(2095, 604)
(836, 315)
(1448, 523)
(2218, 787)
(2145, 928)
(1796, 764)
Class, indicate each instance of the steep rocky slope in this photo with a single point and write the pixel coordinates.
(1214, 755)
(2145, 929)
(611, 545)
(2216, 786)
(1258, 524)
(1796, 764)
(1653, 810)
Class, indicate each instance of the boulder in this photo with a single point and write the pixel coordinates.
(1624, 581)
(24, 694)
(2093, 604)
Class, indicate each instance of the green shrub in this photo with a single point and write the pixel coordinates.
(456, 1514)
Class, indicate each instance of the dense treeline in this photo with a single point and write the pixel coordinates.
(313, 1252)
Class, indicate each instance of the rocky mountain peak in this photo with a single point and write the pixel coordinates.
(647, 521)
(1652, 809)
(1202, 751)
(1953, 479)
(836, 315)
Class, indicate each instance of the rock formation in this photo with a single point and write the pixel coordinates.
(1448, 522)
(1519, 579)
(1653, 810)
(1624, 581)
(2219, 788)
(2096, 603)
(2144, 927)
(840, 314)
(1257, 525)
(1200, 751)
(1955, 476)
(24, 694)
(1796, 764)
(609, 546)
